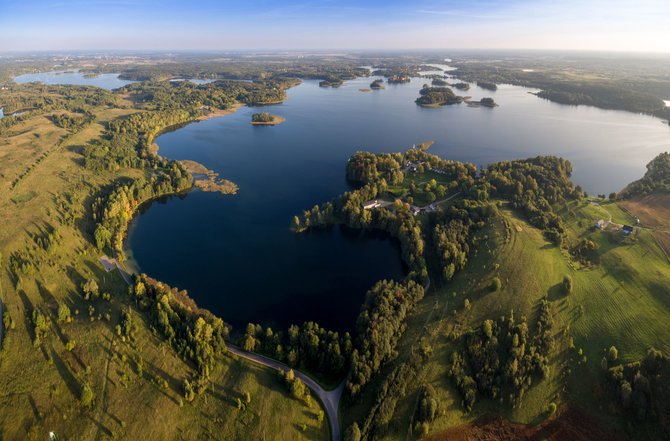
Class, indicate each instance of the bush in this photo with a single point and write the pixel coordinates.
(63, 313)
(567, 284)
(87, 397)
(353, 433)
(613, 354)
(496, 284)
(551, 409)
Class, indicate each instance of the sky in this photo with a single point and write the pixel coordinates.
(632, 25)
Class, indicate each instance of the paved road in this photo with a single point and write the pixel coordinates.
(329, 398)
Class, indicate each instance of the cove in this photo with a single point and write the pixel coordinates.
(236, 255)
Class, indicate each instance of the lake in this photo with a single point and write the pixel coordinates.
(109, 81)
(236, 255)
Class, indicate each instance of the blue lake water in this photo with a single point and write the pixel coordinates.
(236, 255)
(109, 81)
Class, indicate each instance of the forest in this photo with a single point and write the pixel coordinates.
(655, 180)
(438, 96)
(608, 83)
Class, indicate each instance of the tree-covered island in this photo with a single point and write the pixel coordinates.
(265, 118)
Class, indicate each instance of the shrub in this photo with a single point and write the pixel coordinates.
(567, 284)
(87, 397)
(496, 284)
(551, 409)
(613, 354)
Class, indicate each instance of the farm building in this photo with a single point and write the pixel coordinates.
(369, 205)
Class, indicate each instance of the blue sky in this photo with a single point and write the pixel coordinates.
(633, 25)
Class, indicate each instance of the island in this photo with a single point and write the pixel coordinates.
(438, 96)
(266, 119)
(484, 102)
(461, 86)
(399, 79)
(377, 84)
(437, 81)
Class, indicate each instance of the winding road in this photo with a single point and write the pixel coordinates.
(329, 398)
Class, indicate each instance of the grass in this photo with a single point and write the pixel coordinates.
(624, 300)
(40, 386)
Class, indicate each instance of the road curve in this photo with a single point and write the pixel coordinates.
(329, 398)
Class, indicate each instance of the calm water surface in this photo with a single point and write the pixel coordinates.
(107, 81)
(236, 255)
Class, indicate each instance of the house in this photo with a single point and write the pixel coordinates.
(627, 230)
(414, 210)
(601, 224)
(369, 205)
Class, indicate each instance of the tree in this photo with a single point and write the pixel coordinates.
(567, 284)
(296, 222)
(612, 354)
(297, 388)
(612, 196)
(90, 289)
(63, 313)
(102, 237)
(353, 433)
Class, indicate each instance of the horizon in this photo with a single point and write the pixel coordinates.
(208, 26)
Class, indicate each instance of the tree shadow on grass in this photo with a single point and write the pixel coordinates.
(556, 292)
(69, 379)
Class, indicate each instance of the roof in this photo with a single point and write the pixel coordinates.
(627, 228)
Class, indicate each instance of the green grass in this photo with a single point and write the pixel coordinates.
(624, 299)
(23, 198)
(40, 386)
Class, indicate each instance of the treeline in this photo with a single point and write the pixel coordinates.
(196, 335)
(488, 85)
(441, 96)
(655, 180)
(169, 95)
(307, 347)
(501, 359)
(113, 211)
(380, 325)
(239, 69)
(399, 69)
(533, 185)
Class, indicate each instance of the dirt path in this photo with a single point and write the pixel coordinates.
(329, 398)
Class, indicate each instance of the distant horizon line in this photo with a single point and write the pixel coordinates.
(318, 51)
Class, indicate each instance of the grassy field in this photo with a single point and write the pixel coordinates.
(622, 302)
(40, 385)
(653, 212)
